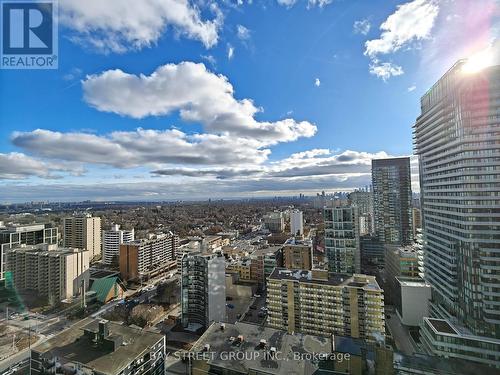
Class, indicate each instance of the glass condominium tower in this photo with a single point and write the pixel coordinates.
(457, 139)
(392, 197)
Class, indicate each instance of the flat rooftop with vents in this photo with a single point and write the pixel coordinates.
(256, 346)
(98, 347)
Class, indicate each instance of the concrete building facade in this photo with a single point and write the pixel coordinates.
(318, 303)
(53, 273)
(83, 232)
(111, 241)
(144, 258)
(15, 235)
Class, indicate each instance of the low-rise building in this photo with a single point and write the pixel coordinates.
(318, 303)
(298, 254)
(263, 261)
(412, 300)
(439, 337)
(257, 350)
(242, 267)
(102, 348)
(53, 273)
(400, 261)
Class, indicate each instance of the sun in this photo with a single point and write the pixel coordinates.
(478, 61)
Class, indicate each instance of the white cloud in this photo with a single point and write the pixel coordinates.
(130, 149)
(362, 27)
(210, 59)
(198, 94)
(319, 3)
(15, 165)
(317, 82)
(286, 3)
(310, 3)
(230, 51)
(385, 70)
(121, 25)
(242, 32)
(412, 21)
(412, 88)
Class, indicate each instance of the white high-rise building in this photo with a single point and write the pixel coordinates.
(296, 223)
(457, 140)
(111, 241)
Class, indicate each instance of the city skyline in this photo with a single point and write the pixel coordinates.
(228, 97)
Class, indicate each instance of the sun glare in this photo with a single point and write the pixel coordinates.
(478, 61)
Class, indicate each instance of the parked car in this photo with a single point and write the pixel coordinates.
(231, 306)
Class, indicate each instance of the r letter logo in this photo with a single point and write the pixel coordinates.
(29, 35)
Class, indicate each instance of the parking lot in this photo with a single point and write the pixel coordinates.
(255, 313)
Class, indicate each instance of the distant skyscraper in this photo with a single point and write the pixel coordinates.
(111, 241)
(457, 139)
(203, 289)
(392, 200)
(364, 201)
(83, 232)
(342, 238)
(296, 223)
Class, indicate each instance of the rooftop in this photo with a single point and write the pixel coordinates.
(256, 357)
(319, 277)
(71, 346)
(442, 326)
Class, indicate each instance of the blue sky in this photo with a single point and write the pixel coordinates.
(178, 99)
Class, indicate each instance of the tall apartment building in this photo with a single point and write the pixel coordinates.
(83, 232)
(275, 222)
(457, 140)
(100, 347)
(14, 235)
(111, 241)
(298, 254)
(392, 199)
(296, 223)
(342, 238)
(363, 200)
(148, 257)
(203, 289)
(318, 303)
(52, 272)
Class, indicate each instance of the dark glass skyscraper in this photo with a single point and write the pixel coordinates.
(391, 181)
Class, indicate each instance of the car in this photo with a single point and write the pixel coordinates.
(229, 298)
(230, 305)
(253, 307)
(263, 308)
(388, 317)
(257, 295)
(261, 314)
